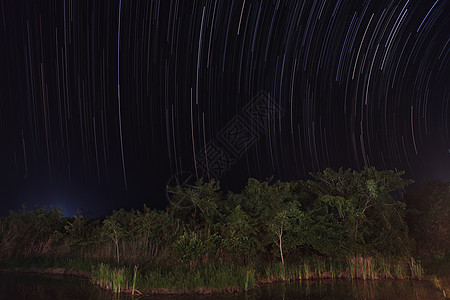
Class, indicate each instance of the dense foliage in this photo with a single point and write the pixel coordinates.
(429, 219)
(338, 214)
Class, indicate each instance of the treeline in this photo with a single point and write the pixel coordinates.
(337, 214)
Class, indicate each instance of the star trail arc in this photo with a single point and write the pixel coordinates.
(128, 93)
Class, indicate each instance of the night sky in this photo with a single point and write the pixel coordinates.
(104, 103)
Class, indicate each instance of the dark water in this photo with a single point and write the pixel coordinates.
(33, 286)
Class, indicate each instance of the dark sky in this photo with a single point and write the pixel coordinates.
(103, 103)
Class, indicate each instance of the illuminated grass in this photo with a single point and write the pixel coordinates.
(114, 279)
(211, 276)
(416, 269)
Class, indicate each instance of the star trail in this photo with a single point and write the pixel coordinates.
(103, 102)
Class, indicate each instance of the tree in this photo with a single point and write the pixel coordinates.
(29, 232)
(273, 210)
(197, 206)
(113, 230)
(329, 226)
(79, 233)
(283, 224)
(188, 248)
(375, 212)
(285, 215)
(236, 233)
(429, 218)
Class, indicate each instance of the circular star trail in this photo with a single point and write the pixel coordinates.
(118, 97)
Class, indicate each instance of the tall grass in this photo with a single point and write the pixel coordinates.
(304, 268)
(249, 279)
(114, 279)
(399, 270)
(215, 276)
(80, 264)
(384, 268)
(442, 284)
(134, 280)
(306, 271)
(416, 269)
(374, 268)
(319, 267)
(275, 272)
(366, 268)
(221, 276)
(336, 268)
(361, 267)
(225, 276)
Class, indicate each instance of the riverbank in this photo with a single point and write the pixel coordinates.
(439, 270)
(442, 284)
(37, 286)
(219, 278)
(127, 290)
(50, 271)
(89, 276)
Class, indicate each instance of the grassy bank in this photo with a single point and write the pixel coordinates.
(215, 277)
(210, 278)
(439, 268)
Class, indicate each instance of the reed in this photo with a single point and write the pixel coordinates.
(339, 267)
(305, 268)
(306, 271)
(374, 271)
(319, 266)
(416, 269)
(299, 272)
(365, 264)
(442, 284)
(212, 275)
(267, 273)
(363, 267)
(294, 271)
(399, 270)
(436, 282)
(134, 280)
(250, 279)
(114, 279)
(386, 269)
(332, 270)
(351, 264)
(275, 272)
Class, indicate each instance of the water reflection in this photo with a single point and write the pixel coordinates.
(34, 286)
(356, 289)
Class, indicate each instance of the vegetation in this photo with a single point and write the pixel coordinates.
(429, 221)
(340, 224)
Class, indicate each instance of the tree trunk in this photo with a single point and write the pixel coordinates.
(281, 250)
(116, 241)
(279, 233)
